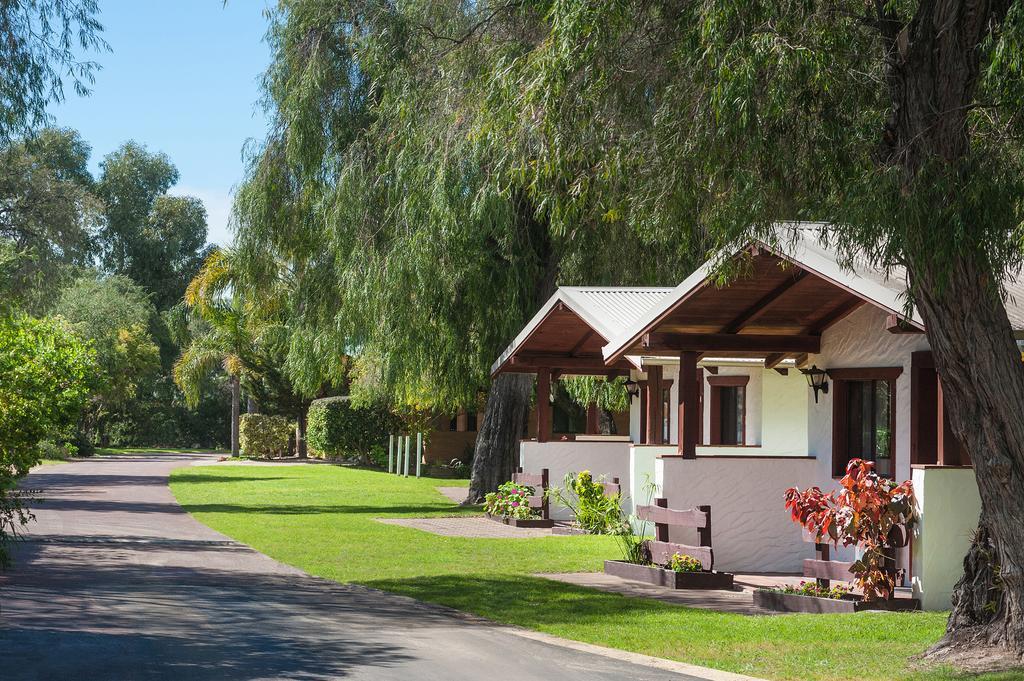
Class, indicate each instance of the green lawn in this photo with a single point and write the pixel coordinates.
(321, 519)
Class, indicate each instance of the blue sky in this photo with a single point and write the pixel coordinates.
(182, 79)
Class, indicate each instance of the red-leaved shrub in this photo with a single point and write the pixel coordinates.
(870, 512)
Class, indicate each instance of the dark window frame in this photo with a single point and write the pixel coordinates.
(841, 380)
(718, 383)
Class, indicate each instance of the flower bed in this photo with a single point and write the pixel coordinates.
(796, 600)
(511, 505)
(522, 522)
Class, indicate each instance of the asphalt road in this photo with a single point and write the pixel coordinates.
(116, 581)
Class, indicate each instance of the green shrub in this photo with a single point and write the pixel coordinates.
(57, 451)
(47, 375)
(585, 498)
(338, 429)
(261, 436)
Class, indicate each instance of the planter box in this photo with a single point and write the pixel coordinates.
(780, 602)
(659, 576)
(515, 522)
(444, 472)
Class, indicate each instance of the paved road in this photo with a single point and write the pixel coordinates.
(116, 581)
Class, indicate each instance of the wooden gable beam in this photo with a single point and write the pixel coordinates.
(764, 303)
(594, 363)
(713, 342)
(576, 348)
(837, 313)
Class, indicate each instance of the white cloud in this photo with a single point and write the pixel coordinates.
(218, 211)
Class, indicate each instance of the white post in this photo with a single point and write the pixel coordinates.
(419, 453)
(391, 452)
(408, 442)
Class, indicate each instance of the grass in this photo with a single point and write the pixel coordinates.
(321, 519)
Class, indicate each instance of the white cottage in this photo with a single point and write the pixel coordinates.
(724, 413)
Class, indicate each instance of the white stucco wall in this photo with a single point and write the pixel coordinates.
(642, 460)
(750, 528)
(607, 459)
(784, 408)
(949, 507)
(860, 341)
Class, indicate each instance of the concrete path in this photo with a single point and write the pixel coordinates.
(116, 581)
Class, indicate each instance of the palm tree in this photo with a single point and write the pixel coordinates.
(221, 340)
(245, 336)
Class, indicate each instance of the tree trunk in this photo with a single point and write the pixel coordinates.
(300, 436)
(495, 457)
(236, 399)
(932, 68)
(982, 375)
(508, 400)
(251, 405)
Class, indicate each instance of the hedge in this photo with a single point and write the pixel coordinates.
(338, 429)
(261, 436)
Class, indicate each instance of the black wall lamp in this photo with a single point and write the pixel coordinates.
(632, 388)
(817, 379)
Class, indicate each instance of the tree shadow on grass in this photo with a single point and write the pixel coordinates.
(191, 478)
(384, 510)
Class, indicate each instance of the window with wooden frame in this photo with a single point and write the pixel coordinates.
(864, 418)
(728, 410)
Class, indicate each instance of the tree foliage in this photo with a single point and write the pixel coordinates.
(46, 375)
(397, 164)
(113, 314)
(40, 46)
(49, 216)
(149, 236)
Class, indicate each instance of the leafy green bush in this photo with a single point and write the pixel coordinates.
(261, 436)
(57, 451)
(46, 377)
(339, 429)
(594, 511)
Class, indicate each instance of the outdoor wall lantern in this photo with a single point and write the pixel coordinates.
(816, 378)
(632, 388)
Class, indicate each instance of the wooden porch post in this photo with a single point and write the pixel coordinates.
(543, 405)
(654, 417)
(689, 414)
(593, 419)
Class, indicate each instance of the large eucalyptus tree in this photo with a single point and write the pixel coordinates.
(897, 122)
(398, 184)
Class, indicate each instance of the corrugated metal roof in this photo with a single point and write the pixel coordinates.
(608, 310)
(800, 243)
(611, 310)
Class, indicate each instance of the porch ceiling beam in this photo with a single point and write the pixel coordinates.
(715, 342)
(773, 360)
(764, 303)
(613, 372)
(837, 313)
(558, 361)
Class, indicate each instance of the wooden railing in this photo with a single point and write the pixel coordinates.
(539, 483)
(663, 517)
